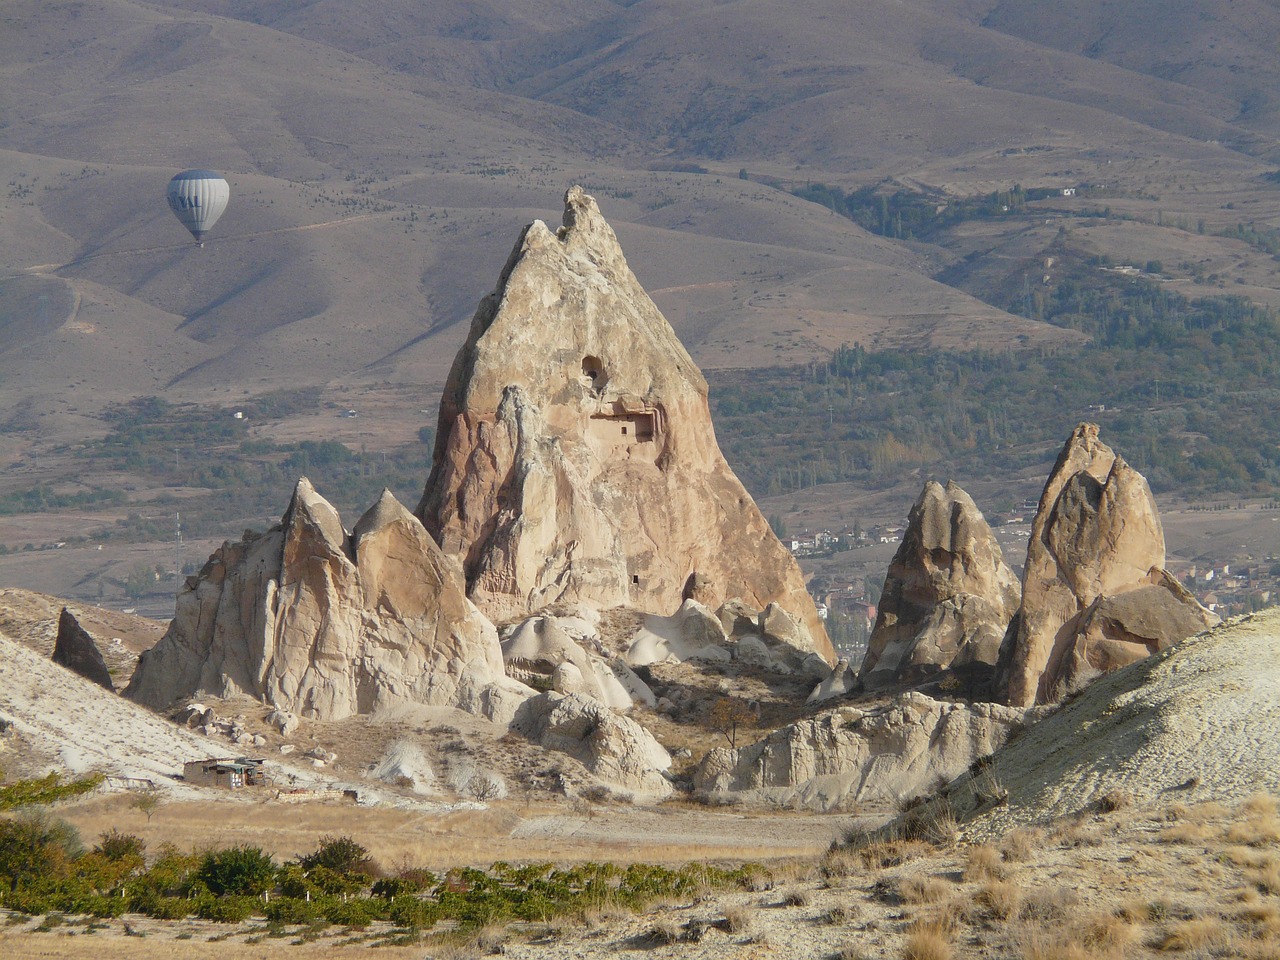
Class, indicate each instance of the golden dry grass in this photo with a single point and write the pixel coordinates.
(1195, 934)
(1021, 844)
(924, 890)
(927, 943)
(1261, 805)
(414, 838)
(1001, 899)
(1257, 831)
(877, 856)
(1137, 895)
(984, 863)
(1188, 831)
(55, 947)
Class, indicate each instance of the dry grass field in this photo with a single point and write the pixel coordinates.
(1121, 880)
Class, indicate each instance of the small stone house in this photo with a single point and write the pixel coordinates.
(231, 774)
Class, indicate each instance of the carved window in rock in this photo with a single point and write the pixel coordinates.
(593, 373)
(622, 430)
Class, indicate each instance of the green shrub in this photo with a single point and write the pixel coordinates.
(339, 854)
(391, 887)
(117, 846)
(22, 793)
(36, 847)
(226, 909)
(237, 871)
(166, 908)
(328, 881)
(409, 911)
(292, 881)
(100, 905)
(349, 913)
(290, 910)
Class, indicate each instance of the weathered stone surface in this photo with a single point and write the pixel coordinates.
(541, 650)
(405, 765)
(843, 680)
(575, 458)
(692, 633)
(1096, 536)
(326, 626)
(849, 755)
(1115, 631)
(75, 650)
(614, 749)
(947, 599)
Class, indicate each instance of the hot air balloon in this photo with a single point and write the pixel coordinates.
(197, 198)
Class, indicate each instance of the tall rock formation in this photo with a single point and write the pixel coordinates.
(325, 625)
(75, 650)
(1094, 592)
(948, 597)
(575, 458)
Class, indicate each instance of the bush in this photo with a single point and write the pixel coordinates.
(351, 913)
(104, 906)
(22, 793)
(119, 846)
(407, 911)
(339, 854)
(34, 848)
(391, 887)
(237, 871)
(165, 908)
(226, 909)
(291, 910)
(324, 880)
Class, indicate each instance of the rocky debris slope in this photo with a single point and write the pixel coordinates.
(575, 458)
(948, 597)
(1096, 536)
(66, 723)
(77, 651)
(1198, 721)
(326, 625)
(617, 751)
(848, 754)
(32, 619)
(548, 651)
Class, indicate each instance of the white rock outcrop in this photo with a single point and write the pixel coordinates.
(614, 749)
(1095, 595)
(541, 650)
(324, 625)
(947, 601)
(847, 755)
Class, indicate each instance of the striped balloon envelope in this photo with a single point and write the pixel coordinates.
(197, 198)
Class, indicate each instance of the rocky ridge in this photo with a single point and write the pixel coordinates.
(324, 624)
(947, 600)
(1096, 538)
(857, 755)
(575, 459)
(76, 650)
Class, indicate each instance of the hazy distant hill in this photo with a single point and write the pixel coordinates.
(383, 158)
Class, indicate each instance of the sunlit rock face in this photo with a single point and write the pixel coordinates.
(575, 458)
(326, 624)
(1095, 595)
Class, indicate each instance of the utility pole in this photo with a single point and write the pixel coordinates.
(177, 550)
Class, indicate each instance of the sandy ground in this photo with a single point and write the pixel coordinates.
(1163, 879)
(1200, 721)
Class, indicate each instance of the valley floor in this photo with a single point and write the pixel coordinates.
(1117, 881)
